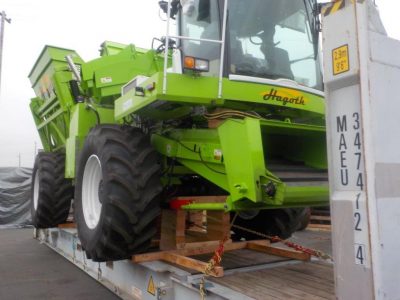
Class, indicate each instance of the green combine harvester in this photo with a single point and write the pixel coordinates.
(230, 106)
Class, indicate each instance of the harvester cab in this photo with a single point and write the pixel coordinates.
(248, 40)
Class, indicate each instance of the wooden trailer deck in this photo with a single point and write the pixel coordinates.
(311, 280)
(262, 276)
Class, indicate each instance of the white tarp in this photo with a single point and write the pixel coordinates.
(15, 194)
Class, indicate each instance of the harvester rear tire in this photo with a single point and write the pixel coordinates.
(51, 193)
(305, 220)
(272, 222)
(117, 193)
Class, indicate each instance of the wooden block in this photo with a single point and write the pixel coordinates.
(320, 218)
(260, 242)
(196, 220)
(67, 225)
(218, 225)
(209, 247)
(152, 256)
(195, 236)
(173, 224)
(191, 263)
(278, 251)
(173, 227)
(178, 259)
(189, 250)
(319, 227)
(204, 199)
(200, 245)
(168, 225)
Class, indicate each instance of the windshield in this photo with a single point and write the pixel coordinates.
(267, 38)
(272, 39)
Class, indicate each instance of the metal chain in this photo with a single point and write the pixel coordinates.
(202, 289)
(215, 260)
(217, 257)
(311, 251)
(99, 273)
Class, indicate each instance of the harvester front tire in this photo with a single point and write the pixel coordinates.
(273, 222)
(117, 193)
(51, 193)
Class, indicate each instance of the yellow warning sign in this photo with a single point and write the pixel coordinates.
(340, 60)
(151, 288)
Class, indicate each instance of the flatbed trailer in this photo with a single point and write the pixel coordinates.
(248, 274)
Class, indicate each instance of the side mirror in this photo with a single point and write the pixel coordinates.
(175, 6)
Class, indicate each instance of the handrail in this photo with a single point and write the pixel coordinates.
(194, 39)
(221, 70)
(222, 42)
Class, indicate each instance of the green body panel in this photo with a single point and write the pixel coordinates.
(50, 61)
(82, 120)
(246, 172)
(111, 48)
(49, 78)
(104, 77)
(234, 157)
(63, 123)
(237, 155)
(190, 90)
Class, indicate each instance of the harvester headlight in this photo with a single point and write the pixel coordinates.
(196, 64)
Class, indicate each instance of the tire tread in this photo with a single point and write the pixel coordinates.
(129, 212)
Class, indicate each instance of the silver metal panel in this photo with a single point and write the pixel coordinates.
(387, 180)
(352, 282)
(388, 263)
(343, 126)
(384, 79)
(384, 141)
(365, 212)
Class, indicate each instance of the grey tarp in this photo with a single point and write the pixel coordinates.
(15, 194)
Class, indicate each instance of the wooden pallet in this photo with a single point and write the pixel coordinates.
(185, 234)
(181, 257)
(180, 240)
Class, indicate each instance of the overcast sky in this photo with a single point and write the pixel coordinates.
(82, 26)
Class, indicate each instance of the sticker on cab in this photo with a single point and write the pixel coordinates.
(105, 80)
